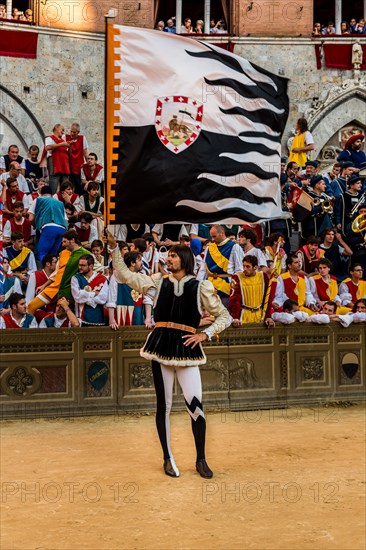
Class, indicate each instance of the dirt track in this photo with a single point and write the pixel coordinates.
(290, 479)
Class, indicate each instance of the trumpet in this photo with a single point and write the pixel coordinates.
(325, 202)
(358, 203)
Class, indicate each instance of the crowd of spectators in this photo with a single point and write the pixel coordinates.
(216, 27)
(351, 27)
(17, 15)
(57, 269)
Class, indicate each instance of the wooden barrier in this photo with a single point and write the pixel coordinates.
(97, 371)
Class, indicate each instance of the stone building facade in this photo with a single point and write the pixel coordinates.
(65, 82)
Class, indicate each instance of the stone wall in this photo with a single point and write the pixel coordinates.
(280, 18)
(86, 15)
(99, 371)
(67, 65)
(329, 98)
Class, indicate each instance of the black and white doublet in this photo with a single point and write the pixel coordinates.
(176, 302)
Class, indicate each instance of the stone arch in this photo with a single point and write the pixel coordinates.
(341, 106)
(18, 123)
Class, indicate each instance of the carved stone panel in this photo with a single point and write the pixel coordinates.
(215, 375)
(141, 376)
(20, 381)
(312, 369)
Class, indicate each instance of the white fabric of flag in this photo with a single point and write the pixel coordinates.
(199, 132)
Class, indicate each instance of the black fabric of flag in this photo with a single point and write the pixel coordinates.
(200, 140)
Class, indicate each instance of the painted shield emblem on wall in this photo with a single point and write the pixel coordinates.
(178, 121)
(98, 374)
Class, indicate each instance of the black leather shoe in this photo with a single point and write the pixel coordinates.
(203, 469)
(169, 470)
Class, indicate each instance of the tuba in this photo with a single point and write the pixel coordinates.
(359, 225)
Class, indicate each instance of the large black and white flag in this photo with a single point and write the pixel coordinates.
(193, 132)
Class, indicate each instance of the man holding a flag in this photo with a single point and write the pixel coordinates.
(174, 346)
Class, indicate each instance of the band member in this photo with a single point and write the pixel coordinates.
(318, 219)
(344, 207)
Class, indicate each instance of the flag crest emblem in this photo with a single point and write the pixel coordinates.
(178, 121)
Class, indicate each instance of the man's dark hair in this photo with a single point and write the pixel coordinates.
(18, 204)
(148, 237)
(46, 190)
(249, 234)
(288, 305)
(185, 239)
(313, 240)
(325, 261)
(273, 238)
(93, 155)
(16, 236)
(65, 185)
(86, 216)
(329, 230)
(354, 309)
(333, 304)
(71, 207)
(290, 165)
(186, 257)
(95, 243)
(92, 185)
(290, 258)
(9, 181)
(140, 244)
(33, 148)
(250, 259)
(48, 259)
(303, 125)
(89, 258)
(15, 299)
(123, 244)
(71, 235)
(131, 257)
(10, 146)
(353, 266)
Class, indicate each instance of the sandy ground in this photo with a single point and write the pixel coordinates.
(291, 479)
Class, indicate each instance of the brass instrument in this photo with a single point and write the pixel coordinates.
(325, 202)
(359, 225)
(358, 203)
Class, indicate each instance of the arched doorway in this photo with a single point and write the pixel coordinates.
(18, 125)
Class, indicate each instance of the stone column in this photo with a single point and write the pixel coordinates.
(338, 16)
(178, 15)
(364, 9)
(9, 8)
(208, 16)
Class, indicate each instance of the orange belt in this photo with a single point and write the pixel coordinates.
(177, 326)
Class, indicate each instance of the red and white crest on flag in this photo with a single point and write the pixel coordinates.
(178, 121)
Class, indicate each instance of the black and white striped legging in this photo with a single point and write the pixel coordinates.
(189, 379)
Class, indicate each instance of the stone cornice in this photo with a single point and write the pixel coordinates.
(213, 39)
